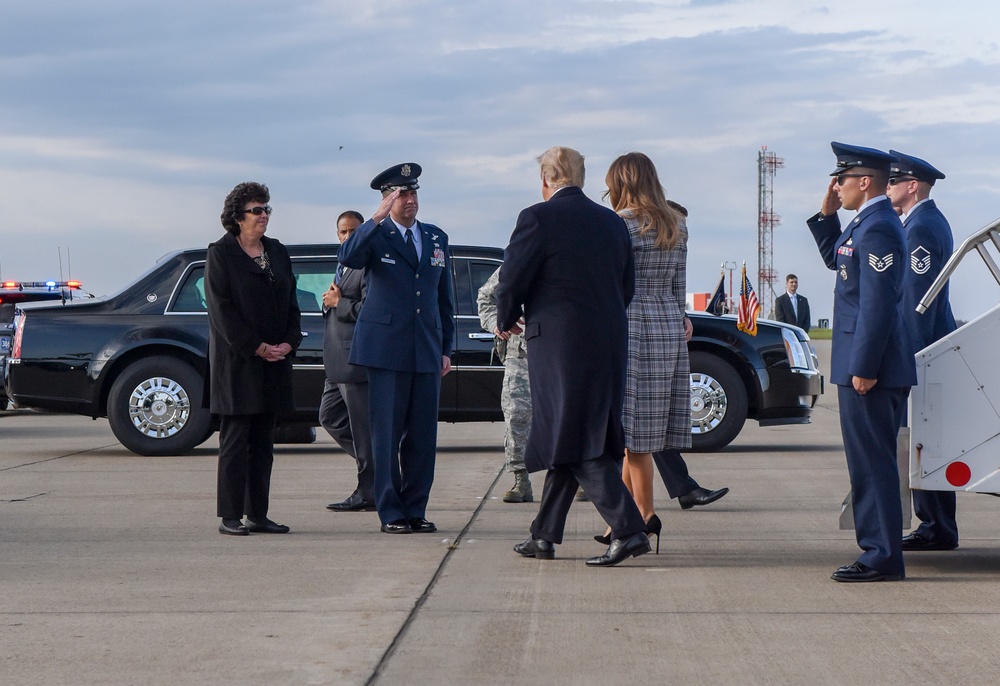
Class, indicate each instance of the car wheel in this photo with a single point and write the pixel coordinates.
(718, 402)
(155, 407)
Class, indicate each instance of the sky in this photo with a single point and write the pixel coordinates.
(124, 124)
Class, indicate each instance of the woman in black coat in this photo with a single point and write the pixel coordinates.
(254, 327)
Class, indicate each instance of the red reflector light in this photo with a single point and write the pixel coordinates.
(958, 474)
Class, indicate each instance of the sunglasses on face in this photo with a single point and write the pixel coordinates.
(841, 177)
(259, 210)
(900, 179)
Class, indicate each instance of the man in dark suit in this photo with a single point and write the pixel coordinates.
(871, 364)
(929, 244)
(343, 410)
(790, 307)
(404, 336)
(569, 262)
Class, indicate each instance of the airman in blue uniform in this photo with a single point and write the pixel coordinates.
(929, 244)
(871, 363)
(404, 336)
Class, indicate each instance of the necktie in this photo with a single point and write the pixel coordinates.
(411, 249)
(340, 274)
(795, 306)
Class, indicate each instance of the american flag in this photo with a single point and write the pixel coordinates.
(749, 308)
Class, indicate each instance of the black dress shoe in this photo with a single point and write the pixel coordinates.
(700, 496)
(265, 526)
(622, 549)
(400, 526)
(419, 525)
(857, 572)
(537, 548)
(917, 542)
(354, 503)
(233, 527)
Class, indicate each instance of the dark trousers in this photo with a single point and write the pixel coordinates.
(869, 424)
(936, 511)
(674, 472)
(403, 411)
(343, 412)
(246, 453)
(601, 479)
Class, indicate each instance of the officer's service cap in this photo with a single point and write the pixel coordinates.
(402, 176)
(908, 165)
(849, 156)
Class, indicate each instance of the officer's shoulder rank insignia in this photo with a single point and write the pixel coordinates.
(920, 260)
(880, 264)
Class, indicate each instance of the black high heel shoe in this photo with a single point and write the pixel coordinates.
(654, 526)
(603, 538)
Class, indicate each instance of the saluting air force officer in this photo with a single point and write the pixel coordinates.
(929, 244)
(404, 336)
(871, 363)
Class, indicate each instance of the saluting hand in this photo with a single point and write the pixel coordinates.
(831, 201)
(383, 210)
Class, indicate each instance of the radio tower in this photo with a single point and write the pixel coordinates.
(767, 164)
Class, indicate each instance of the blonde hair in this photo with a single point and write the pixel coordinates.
(562, 167)
(634, 185)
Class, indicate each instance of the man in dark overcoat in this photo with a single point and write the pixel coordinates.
(569, 262)
(404, 336)
(343, 409)
(871, 363)
(929, 244)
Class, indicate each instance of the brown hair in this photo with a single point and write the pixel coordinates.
(634, 185)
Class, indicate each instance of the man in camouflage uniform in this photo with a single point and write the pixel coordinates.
(515, 398)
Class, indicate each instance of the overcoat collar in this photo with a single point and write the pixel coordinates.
(232, 247)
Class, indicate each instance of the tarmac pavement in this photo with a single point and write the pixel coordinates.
(112, 572)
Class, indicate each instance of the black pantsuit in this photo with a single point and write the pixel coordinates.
(245, 457)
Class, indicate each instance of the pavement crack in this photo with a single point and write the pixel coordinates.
(417, 606)
(25, 498)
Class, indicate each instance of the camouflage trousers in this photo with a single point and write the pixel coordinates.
(515, 401)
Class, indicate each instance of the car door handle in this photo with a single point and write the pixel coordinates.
(304, 333)
(481, 336)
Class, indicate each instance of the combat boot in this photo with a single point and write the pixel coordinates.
(521, 493)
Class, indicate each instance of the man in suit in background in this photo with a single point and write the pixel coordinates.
(569, 262)
(404, 336)
(871, 363)
(790, 307)
(929, 244)
(343, 410)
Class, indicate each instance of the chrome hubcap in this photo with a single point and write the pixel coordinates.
(708, 403)
(159, 407)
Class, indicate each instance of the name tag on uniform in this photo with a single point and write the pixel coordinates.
(388, 260)
(844, 250)
(437, 258)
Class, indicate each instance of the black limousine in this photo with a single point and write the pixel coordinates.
(138, 358)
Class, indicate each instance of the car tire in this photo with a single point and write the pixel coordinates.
(718, 402)
(154, 407)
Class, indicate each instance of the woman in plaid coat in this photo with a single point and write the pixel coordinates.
(657, 410)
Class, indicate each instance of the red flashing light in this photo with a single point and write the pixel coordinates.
(10, 284)
(73, 284)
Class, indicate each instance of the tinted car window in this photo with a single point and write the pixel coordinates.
(470, 275)
(191, 296)
(312, 279)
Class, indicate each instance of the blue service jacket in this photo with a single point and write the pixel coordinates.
(868, 257)
(929, 244)
(406, 323)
